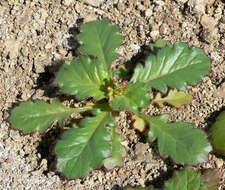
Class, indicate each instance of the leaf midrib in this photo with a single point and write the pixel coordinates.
(163, 75)
(81, 79)
(102, 50)
(72, 110)
(158, 76)
(89, 139)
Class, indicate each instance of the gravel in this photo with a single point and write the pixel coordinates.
(37, 34)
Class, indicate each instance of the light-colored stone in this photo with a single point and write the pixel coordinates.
(12, 47)
(219, 162)
(154, 34)
(221, 91)
(199, 5)
(148, 12)
(182, 1)
(95, 3)
(208, 22)
(202, 2)
(164, 29)
(68, 2)
(89, 18)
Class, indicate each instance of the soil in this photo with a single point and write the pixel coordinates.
(37, 34)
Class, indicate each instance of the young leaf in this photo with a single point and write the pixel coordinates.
(175, 67)
(99, 39)
(83, 77)
(184, 144)
(117, 151)
(139, 123)
(82, 149)
(138, 188)
(38, 116)
(133, 98)
(121, 72)
(186, 179)
(218, 134)
(174, 98)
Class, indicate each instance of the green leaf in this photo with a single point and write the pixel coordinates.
(138, 188)
(117, 151)
(174, 98)
(159, 44)
(99, 39)
(175, 67)
(186, 179)
(83, 77)
(30, 117)
(184, 144)
(82, 149)
(152, 137)
(133, 98)
(139, 123)
(218, 134)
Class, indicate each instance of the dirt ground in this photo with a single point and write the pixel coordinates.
(36, 34)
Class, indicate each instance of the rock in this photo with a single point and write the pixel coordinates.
(182, 1)
(95, 3)
(140, 150)
(154, 34)
(68, 2)
(209, 2)
(48, 46)
(199, 5)
(202, 2)
(208, 22)
(219, 162)
(148, 13)
(164, 29)
(14, 135)
(134, 47)
(12, 47)
(89, 18)
(142, 182)
(25, 17)
(221, 91)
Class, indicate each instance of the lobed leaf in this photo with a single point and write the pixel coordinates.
(174, 98)
(184, 144)
(187, 179)
(218, 134)
(117, 151)
(139, 123)
(134, 97)
(175, 67)
(83, 77)
(99, 39)
(30, 117)
(82, 149)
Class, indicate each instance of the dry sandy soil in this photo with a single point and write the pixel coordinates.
(36, 34)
